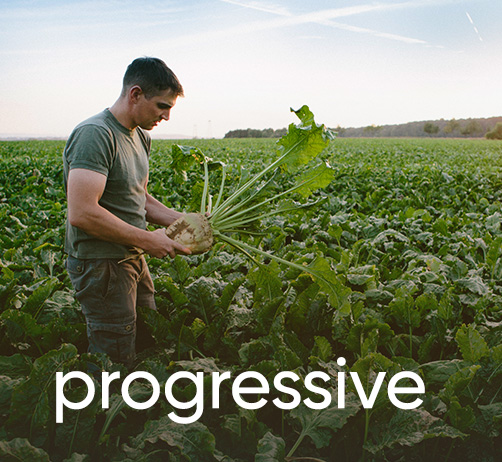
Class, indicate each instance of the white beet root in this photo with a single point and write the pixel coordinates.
(193, 231)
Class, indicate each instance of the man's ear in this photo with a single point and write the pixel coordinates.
(134, 93)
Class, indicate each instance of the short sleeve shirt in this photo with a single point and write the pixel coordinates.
(103, 145)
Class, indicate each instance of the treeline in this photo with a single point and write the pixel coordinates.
(453, 128)
(255, 133)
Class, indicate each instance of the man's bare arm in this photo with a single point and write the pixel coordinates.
(85, 188)
(158, 214)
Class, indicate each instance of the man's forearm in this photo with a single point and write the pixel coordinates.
(106, 226)
(100, 223)
(158, 214)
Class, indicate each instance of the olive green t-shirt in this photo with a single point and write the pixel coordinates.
(103, 145)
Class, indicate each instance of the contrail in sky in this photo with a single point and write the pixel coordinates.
(474, 26)
(323, 17)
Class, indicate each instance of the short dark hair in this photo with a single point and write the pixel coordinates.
(152, 75)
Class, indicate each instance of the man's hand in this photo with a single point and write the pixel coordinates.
(159, 245)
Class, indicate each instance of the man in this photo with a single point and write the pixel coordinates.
(106, 175)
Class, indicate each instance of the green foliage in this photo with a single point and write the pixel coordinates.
(270, 449)
(193, 441)
(495, 133)
(256, 133)
(21, 449)
(405, 248)
(431, 128)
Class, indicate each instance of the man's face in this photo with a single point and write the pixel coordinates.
(150, 112)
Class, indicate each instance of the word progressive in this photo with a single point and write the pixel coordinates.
(238, 390)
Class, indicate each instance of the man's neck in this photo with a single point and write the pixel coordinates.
(121, 113)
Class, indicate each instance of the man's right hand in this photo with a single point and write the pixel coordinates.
(160, 245)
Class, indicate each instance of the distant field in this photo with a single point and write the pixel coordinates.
(412, 232)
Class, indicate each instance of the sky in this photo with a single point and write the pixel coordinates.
(245, 63)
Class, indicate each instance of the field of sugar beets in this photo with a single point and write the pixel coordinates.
(411, 233)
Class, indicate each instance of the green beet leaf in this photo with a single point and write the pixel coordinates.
(183, 158)
(461, 416)
(35, 301)
(320, 424)
(457, 383)
(497, 354)
(32, 406)
(267, 282)
(315, 178)
(6, 386)
(20, 327)
(366, 338)
(165, 284)
(77, 429)
(493, 258)
(438, 372)
(322, 348)
(20, 449)
(204, 294)
(338, 294)
(138, 392)
(474, 284)
(367, 369)
(471, 344)
(15, 366)
(409, 428)
(193, 440)
(489, 422)
(303, 142)
(270, 449)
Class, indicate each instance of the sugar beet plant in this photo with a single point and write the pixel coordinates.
(257, 198)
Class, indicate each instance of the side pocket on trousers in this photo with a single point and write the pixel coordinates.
(76, 270)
